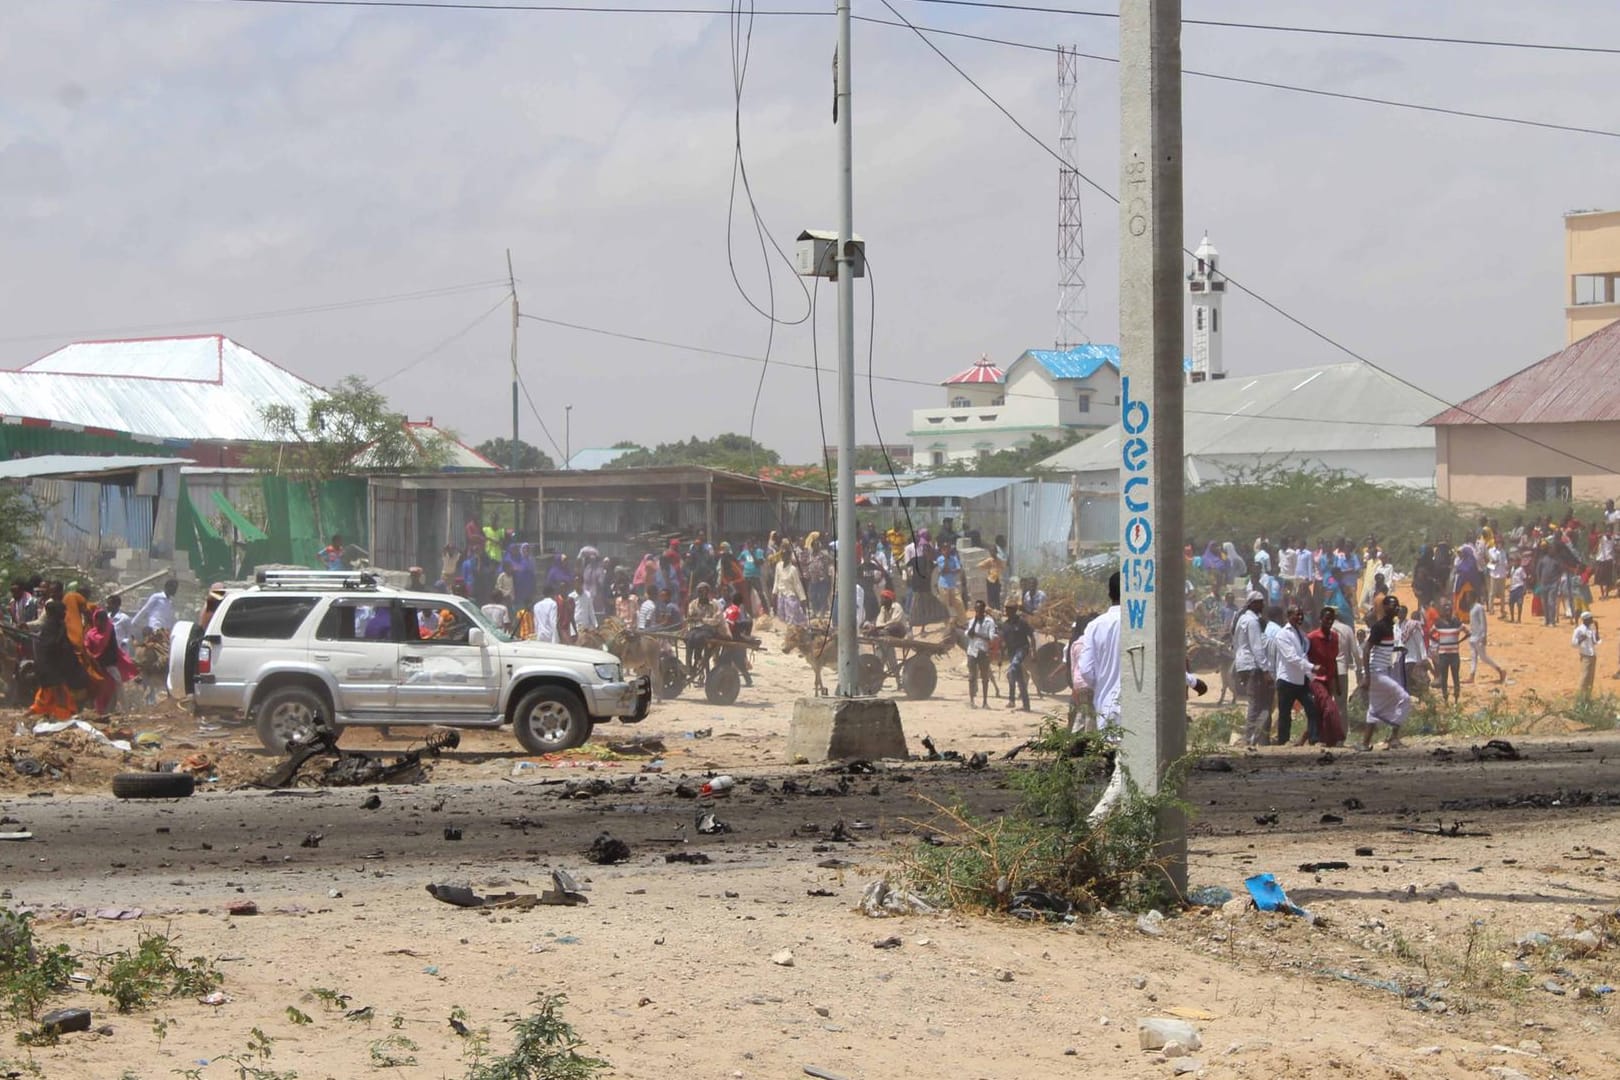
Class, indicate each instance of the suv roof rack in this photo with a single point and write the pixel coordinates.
(316, 579)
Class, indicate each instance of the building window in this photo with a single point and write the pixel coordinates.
(1198, 318)
(1547, 489)
(1214, 320)
(960, 402)
(1593, 288)
(984, 452)
(1083, 400)
(999, 399)
(938, 457)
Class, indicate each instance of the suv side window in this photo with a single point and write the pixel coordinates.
(440, 624)
(275, 618)
(358, 620)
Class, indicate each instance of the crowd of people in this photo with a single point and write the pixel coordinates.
(82, 652)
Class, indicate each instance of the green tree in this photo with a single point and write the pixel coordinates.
(499, 451)
(1014, 461)
(348, 431)
(19, 515)
(737, 453)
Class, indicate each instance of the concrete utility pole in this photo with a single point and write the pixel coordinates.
(848, 647)
(1153, 692)
(511, 279)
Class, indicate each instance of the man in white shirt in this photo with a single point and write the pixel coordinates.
(1099, 659)
(1251, 663)
(497, 612)
(1477, 630)
(981, 631)
(1349, 660)
(1294, 678)
(644, 613)
(158, 611)
(1586, 640)
(545, 619)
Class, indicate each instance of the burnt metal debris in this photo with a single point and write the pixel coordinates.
(356, 770)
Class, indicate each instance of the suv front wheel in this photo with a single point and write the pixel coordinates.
(549, 719)
(291, 713)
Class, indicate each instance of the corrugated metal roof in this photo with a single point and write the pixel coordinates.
(195, 388)
(78, 465)
(982, 371)
(596, 457)
(1080, 362)
(956, 487)
(1329, 409)
(1580, 383)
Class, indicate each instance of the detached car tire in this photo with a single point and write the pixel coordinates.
(153, 785)
(290, 712)
(548, 719)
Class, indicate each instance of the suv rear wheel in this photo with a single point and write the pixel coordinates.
(549, 719)
(289, 713)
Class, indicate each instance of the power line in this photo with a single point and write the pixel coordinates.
(339, 305)
(458, 335)
(436, 5)
(901, 380)
(540, 419)
(1322, 31)
(1289, 316)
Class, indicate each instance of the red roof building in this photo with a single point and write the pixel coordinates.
(1550, 433)
(982, 371)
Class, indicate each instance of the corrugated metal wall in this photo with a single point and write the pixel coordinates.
(86, 522)
(1099, 520)
(1039, 523)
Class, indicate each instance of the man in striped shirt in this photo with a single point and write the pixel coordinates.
(1447, 635)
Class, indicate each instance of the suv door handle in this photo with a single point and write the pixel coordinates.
(323, 657)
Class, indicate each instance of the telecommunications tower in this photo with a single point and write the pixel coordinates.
(1071, 308)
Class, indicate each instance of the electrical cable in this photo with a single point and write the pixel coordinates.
(1426, 39)
(311, 309)
(1289, 316)
(904, 381)
(613, 9)
(871, 396)
(542, 420)
(1366, 99)
(502, 302)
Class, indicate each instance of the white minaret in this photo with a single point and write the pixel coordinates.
(1206, 285)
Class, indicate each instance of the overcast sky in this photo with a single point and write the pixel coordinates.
(166, 165)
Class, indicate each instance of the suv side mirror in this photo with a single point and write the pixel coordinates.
(475, 637)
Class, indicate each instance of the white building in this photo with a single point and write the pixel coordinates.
(1044, 392)
(1349, 417)
(1206, 286)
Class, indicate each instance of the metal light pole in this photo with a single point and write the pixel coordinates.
(568, 436)
(511, 280)
(1153, 640)
(846, 627)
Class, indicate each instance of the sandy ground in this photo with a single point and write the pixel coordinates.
(669, 968)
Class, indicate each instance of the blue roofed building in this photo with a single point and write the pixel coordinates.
(1047, 392)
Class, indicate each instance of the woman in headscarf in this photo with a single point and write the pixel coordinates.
(1235, 566)
(56, 666)
(524, 577)
(77, 620)
(102, 643)
(1468, 579)
(645, 569)
(559, 578)
(1214, 565)
(790, 594)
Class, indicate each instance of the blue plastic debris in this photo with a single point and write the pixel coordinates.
(1209, 895)
(1269, 896)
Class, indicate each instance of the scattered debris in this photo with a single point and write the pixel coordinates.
(1364, 852)
(717, 786)
(709, 825)
(1268, 818)
(1330, 819)
(893, 941)
(697, 858)
(1318, 867)
(565, 891)
(977, 760)
(783, 958)
(121, 914)
(1353, 803)
(215, 998)
(451, 832)
(1213, 764)
(16, 836)
(312, 840)
(358, 769)
(241, 907)
(1154, 1032)
(1003, 975)
(1209, 895)
(880, 901)
(1269, 896)
(605, 850)
(64, 1021)
(1151, 923)
(1440, 829)
(372, 802)
(1496, 750)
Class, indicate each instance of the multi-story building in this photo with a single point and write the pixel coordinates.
(1591, 272)
(1043, 392)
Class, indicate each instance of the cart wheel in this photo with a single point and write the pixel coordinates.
(671, 679)
(869, 674)
(1052, 668)
(722, 684)
(918, 677)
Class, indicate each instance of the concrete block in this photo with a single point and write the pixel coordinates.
(841, 729)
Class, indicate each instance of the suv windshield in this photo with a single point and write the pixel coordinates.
(480, 620)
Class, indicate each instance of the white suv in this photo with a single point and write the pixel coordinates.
(309, 649)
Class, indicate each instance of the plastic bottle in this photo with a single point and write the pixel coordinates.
(719, 785)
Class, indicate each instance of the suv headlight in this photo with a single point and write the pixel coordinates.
(607, 672)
